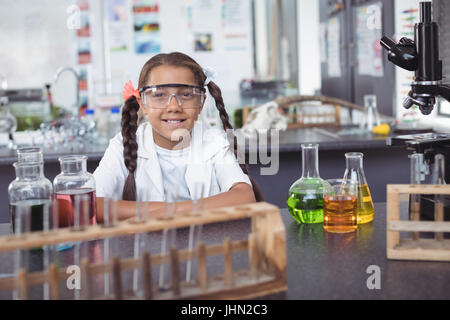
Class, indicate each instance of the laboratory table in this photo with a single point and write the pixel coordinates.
(320, 265)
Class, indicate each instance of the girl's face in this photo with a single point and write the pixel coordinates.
(170, 124)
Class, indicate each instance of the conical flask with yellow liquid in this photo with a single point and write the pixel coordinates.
(354, 171)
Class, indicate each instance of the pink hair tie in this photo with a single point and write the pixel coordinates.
(129, 91)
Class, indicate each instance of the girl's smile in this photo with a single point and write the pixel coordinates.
(174, 123)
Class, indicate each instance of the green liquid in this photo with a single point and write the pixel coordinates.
(36, 208)
(306, 207)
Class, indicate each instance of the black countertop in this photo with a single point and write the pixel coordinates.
(329, 138)
(289, 141)
(94, 152)
(320, 265)
(323, 265)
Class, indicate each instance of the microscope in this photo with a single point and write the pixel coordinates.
(421, 55)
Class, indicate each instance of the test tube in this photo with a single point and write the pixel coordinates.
(47, 249)
(110, 216)
(438, 177)
(137, 240)
(54, 226)
(79, 200)
(169, 235)
(197, 207)
(22, 226)
(417, 175)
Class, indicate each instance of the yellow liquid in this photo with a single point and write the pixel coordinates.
(364, 210)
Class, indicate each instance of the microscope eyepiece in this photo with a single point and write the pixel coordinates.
(425, 12)
(387, 43)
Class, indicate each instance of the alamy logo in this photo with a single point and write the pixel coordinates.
(263, 147)
(74, 20)
(74, 280)
(374, 280)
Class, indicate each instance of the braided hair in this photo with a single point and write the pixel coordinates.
(131, 115)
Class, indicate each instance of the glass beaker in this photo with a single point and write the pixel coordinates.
(355, 172)
(305, 197)
(339, 206)
(32, 192)
(72, 184)
(371, 115)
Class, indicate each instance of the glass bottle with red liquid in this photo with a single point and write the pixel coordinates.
(74, 190)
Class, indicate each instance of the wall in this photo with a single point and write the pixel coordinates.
(35, 41)
(309, 76)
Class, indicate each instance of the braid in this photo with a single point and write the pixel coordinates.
(216, 93)
(130, 146)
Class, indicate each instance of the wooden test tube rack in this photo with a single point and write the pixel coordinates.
(415, 248)
(266, 247)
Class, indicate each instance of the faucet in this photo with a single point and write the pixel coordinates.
(77, 76)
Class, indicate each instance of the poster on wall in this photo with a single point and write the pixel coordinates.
(147, 37)
(83, 34)
(203, 42)
(406, 16)
(236, 24)
(118, 25)
(201, 20)
(218, 35)
(83, 47)
(368, 34)
(333, 48)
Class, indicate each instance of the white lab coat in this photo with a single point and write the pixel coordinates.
(211, 163)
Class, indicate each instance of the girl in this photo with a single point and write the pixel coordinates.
(171, 153)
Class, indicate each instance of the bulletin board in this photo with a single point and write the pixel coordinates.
(217, 34)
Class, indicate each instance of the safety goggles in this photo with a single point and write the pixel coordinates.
(159, 96)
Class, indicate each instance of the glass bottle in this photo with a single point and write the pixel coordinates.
(114, 122)
(30, 193)
(305, 197)
(355, 172)
(30, 154)
(71, 187)
(370, 112)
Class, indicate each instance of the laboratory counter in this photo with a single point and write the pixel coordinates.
(320, 265)
(289, 141)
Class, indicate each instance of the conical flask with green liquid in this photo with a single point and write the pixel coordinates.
(305, 197)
